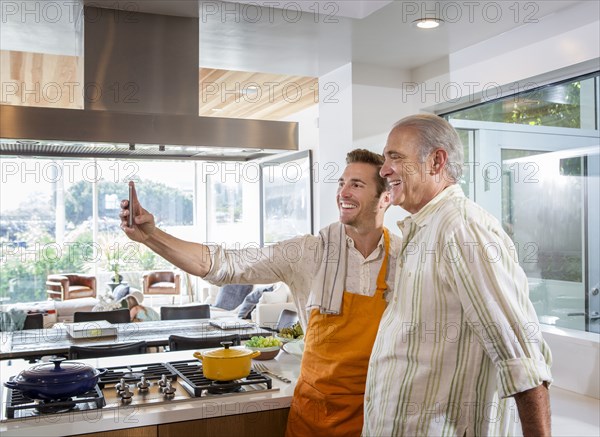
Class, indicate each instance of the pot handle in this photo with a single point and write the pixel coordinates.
(198, 355)
(11, 384)
(57, 361)
(255, 354)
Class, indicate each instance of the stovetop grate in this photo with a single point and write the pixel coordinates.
(193, 380)
(133, 373)
(18, 405)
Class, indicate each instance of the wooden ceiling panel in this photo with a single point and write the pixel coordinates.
(264, 96)
(35, 79)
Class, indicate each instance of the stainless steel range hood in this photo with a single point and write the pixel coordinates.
(32, 131)
(154, 58)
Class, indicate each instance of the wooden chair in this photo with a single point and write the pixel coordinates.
(67, 286)
(185, 312)
(180, 343)
(116, 316)
(81, 352)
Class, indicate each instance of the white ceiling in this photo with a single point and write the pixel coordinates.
(278, 38)
(284, 40)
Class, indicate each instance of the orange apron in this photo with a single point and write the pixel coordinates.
(329, 395)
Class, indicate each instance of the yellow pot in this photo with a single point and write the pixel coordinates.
(226, 364)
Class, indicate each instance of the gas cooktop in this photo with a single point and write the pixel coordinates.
(139, 386)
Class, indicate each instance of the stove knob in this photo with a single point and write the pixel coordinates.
(162, 382)
(169, 391)
(143, 385)
(126, 395)
(120, 385)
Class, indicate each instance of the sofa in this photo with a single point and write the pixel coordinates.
(265, 313)
(267, 310)
(55, 310)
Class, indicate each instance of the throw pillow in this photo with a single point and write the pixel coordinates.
(120, 292)
(250, 302)
(231, 296)
(279, 295)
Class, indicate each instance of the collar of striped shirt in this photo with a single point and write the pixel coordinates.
(426, 213)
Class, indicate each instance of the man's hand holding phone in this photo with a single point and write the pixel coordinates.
(140, 229)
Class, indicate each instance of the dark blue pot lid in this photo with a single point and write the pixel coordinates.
(57, 372)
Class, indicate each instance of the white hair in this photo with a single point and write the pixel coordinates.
(434, 132)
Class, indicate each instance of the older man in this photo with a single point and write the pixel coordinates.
(340, 277)
(460, 339)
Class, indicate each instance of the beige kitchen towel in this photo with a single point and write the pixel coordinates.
(327, 289)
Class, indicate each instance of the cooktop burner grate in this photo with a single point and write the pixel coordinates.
(193, 380)
(133, 373)
(18, 405)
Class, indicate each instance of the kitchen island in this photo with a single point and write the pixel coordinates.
(34, 343)
(253, 413)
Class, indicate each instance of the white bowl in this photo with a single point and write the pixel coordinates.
(266, 353)
(294, 347)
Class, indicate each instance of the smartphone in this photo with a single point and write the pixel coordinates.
(130, 207)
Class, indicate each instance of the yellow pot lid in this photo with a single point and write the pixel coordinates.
(227, 353)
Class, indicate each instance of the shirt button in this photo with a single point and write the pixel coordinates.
(368, 398)
(409, 273)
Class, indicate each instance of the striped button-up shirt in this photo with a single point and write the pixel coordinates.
(460, 335)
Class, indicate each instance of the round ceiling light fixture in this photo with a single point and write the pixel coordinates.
(428, 23)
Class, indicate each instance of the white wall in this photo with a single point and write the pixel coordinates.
(335, 140)
(308, 127)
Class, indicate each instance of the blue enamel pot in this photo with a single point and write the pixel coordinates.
(58, 379)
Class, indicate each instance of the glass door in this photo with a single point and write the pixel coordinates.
(542, 184)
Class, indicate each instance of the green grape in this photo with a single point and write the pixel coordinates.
(262, 342)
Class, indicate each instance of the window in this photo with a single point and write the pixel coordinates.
(535, 167)
(61, 216)
(286, 197)
(570, 104)
(232, 199)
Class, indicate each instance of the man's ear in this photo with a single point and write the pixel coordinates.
(438, 160)
(385, 200)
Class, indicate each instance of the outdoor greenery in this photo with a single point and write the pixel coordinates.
(29, 251)
(170, 206)
(24, 269)
(558, 106)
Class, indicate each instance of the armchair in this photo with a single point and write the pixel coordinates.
(161, 282)
(70, 286)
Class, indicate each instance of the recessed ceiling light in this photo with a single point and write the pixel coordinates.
(249, 90)
(216, 109)
(428, 23)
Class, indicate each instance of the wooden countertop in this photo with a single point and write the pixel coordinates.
(72, 423)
